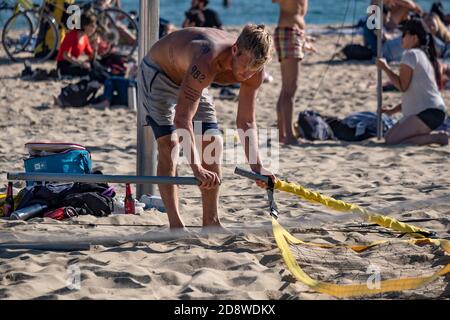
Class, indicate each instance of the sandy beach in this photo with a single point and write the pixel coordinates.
(405, 182)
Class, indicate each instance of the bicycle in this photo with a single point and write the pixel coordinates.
(21, 31)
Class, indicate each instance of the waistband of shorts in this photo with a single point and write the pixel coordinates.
(151, 64)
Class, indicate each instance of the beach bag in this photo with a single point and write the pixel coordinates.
(57, 158)
(116, 90)
(115, 64)
(357, 52)
(87, 198)
(312, 126)
(80, 94)
(90, 203)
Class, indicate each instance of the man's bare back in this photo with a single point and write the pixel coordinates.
(212, 46)
(292, 13)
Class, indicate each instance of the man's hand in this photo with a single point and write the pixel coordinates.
(208, 179)
(264, 172)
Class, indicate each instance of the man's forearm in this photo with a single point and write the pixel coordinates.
(186, 132)
(249, 138)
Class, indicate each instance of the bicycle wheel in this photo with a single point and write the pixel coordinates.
(22, 42)
(123, 26)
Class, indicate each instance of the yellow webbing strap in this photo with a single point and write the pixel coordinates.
(283, 238)
(340, 205)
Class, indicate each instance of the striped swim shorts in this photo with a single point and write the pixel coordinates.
(289, 43)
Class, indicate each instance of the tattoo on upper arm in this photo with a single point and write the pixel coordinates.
(197, 74)
(206, 48)
(191, 94)
(171, 56)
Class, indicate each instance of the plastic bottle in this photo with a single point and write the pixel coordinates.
(132, 96)
(154, 202)
(28, 212)
(129, 201)
(8, 207)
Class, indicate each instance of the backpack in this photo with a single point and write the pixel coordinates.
(79, 94)
(92, 203)
(357, 52)
(88, 198)
(312, 126)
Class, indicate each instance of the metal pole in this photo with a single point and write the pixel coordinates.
(380, 73)
(251, 175)
(100, 178)
(146, 144)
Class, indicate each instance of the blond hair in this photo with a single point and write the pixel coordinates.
(257, 41)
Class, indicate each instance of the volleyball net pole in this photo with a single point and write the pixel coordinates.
(146, 144)
(380, 22)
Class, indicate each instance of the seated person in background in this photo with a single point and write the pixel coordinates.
(437, 28)
(419, 81)
(445, 69)
(76, 43)
(104, 4)
(400, 10)
(199, 16)
(438, 9)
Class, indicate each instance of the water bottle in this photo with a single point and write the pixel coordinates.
(153, 202)
(28, 212)
(132, 96)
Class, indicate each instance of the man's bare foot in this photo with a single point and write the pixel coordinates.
(180, 232)
(215, 229)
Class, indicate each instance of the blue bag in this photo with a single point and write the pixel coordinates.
(70, 161)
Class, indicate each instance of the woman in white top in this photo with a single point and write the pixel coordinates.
(419, 81)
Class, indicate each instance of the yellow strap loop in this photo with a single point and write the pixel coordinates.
(283, 238)
(339, 205)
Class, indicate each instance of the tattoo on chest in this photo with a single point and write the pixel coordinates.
(191, 94)
(197, 74)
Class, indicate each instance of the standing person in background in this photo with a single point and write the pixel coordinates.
(290, 42)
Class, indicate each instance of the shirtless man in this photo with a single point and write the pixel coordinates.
(176, 72)
(290, 43)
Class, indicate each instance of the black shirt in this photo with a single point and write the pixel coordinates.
(212, 19)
